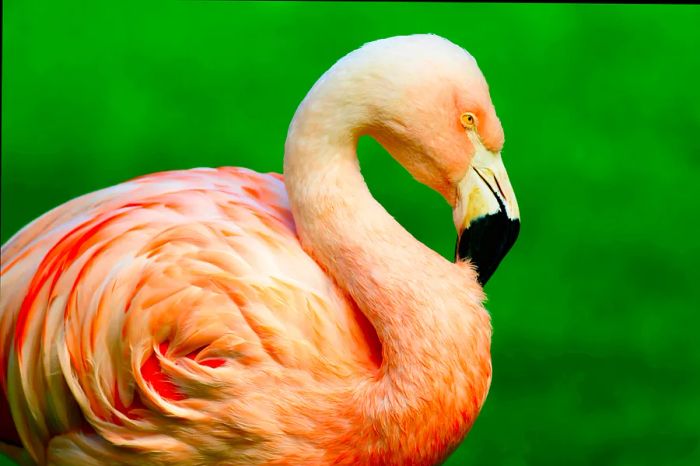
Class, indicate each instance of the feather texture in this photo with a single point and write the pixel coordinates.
(222, 316)
(171, 307)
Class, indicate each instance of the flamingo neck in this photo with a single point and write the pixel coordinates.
(427, 311)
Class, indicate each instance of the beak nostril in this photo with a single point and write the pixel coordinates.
(500, 190)
(499, 199)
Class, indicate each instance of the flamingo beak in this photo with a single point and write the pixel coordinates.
(486, 214)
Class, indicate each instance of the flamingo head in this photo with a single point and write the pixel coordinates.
(427, 102)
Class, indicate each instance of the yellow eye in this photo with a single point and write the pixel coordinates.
(468, 120)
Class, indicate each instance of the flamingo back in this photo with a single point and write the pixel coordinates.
(133, 316)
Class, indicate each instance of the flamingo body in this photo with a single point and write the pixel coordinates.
(222, 316)
(189, 278)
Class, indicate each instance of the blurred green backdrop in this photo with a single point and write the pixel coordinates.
(596, 310)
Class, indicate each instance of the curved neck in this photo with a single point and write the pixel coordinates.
(427, 311)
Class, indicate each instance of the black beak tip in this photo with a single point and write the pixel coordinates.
(486, 242)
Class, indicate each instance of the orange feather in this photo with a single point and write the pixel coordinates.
(223, 316)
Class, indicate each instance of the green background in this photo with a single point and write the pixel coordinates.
(596, 310)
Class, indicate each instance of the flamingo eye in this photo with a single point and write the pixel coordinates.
(468, 120)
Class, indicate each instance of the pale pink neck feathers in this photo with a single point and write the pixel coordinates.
(427, 311)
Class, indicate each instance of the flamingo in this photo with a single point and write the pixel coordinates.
(223, 316)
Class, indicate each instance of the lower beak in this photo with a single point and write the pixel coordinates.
(486, 214)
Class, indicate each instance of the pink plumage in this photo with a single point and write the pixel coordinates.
(187, 276)
(223, 316)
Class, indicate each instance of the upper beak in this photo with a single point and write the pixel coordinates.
(486, 213)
